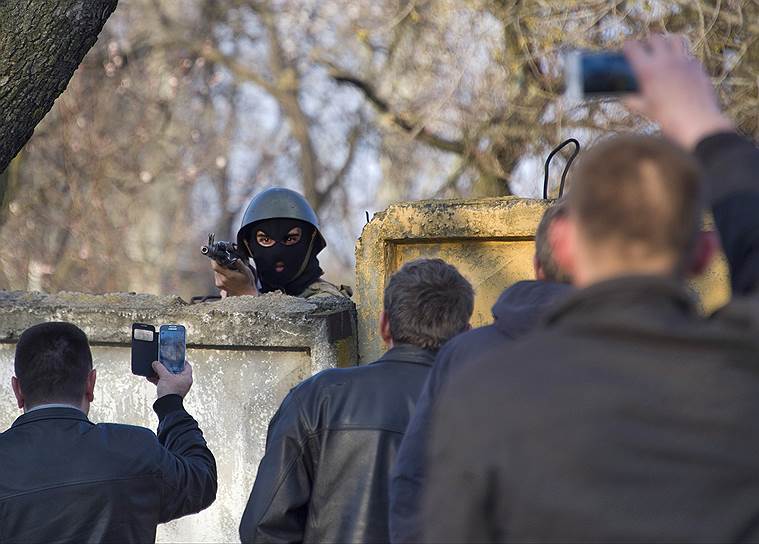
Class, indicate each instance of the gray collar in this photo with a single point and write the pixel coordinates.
(53, 405)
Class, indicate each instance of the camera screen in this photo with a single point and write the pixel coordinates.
(171, 348)
(607, 73)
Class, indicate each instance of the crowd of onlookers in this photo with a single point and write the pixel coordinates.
(600, 404)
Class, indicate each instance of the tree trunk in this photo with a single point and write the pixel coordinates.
(41, 44)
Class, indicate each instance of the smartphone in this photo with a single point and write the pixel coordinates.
(172, 347)
(144, 349)
(604, 74)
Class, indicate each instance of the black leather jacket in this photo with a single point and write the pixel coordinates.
(329, 451)
(66, 479)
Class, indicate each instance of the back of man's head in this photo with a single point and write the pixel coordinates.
(546, 267)
(638, 197)
(53, 361)
(427, 302)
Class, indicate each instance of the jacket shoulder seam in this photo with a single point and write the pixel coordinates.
(74, 484)
(349, 427)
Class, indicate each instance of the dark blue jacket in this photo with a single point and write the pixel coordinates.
(516, 312)
(66, 479)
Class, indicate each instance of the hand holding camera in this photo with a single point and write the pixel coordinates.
(169, 383)
(675, 91)
(659, 79)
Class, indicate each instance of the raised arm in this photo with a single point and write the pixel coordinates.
(732, 171)
(676, 93)
(187, 466)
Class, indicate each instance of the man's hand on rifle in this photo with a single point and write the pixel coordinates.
(234, 283)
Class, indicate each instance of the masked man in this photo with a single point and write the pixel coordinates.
(280, 232)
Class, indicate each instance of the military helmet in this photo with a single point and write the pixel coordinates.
(279, 203)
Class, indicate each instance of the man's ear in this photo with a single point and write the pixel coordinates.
(562, 239)
(704, 250)
(90, 391)
(540, 274)
(387, 337)
(17, 391)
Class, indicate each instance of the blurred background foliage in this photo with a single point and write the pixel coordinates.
(186, 108)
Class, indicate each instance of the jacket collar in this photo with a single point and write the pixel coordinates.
(522, 306)
(653, 293)
(407, 353)
(51, 413)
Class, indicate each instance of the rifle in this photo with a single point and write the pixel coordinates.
(224, 253)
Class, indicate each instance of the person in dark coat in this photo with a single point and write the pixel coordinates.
(325, 474)
(516, 312)
(628, 416)
(64, 478)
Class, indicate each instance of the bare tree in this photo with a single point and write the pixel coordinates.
(523, 66)
(186, 108)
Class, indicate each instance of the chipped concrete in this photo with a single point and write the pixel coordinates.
(247, 352)
(490, 240)
(271, 320)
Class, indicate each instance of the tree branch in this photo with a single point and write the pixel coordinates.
(353, 139)
(238, 69)
(287, 94)
(424, 135)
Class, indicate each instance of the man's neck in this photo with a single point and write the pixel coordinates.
(600, 270)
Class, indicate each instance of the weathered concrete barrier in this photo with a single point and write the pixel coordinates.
(490, 240)
(247, 352)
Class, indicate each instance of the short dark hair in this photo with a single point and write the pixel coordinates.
(52, 363)
(641, 190)
(543, 249)
(428, 302)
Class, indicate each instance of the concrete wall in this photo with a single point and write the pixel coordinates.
(490, 240)
(246, 352)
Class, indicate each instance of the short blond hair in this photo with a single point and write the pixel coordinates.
(641, 190)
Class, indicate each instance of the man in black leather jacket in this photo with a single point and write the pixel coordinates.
(331, 445)
(66, 479)
(637, 418)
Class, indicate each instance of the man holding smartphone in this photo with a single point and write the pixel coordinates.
(66, 479)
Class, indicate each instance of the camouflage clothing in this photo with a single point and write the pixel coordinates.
(323, 288)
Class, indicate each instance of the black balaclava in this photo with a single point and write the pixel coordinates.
(301, 265)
